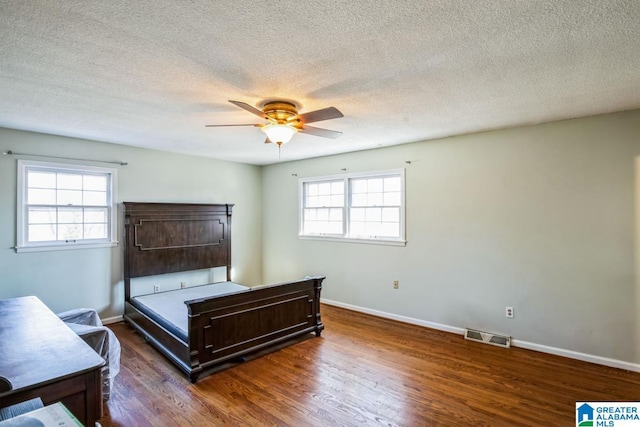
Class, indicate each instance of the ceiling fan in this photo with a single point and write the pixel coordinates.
(284, 121)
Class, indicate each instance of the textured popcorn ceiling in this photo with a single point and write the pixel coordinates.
(153, 73)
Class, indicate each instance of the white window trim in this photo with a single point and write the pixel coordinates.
(344, 238)
(22, 244)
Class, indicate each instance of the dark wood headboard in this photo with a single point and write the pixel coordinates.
(171, 237)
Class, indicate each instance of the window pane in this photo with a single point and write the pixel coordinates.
(392, 184)
(41, 179)
(358, 186)
(94, 198)
(337, 200)
(359, 200)
(41, 197)
(375, 199)
(375, 185)
(96, 215)
(392, 199)
(357, 214)
(308, 228)
(324, 188)
(374, 214)
(94, 182)
(42, 216)
(95, 231)
(323, 215)
(312, 189)
(373, 229)
(391, 215)
(335, 214)
(357, 228)
(69, 197)
(42, 233)
(335, 228)
(322, 221)
(313, 202)
(324, 194)
(69, 231)
(70, 216)
(69, 181)
(390, 230)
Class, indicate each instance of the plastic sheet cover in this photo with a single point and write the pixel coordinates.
(87, 324)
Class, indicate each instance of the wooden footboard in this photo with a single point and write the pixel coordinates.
(229, 327)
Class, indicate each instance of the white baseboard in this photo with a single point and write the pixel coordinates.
(109, 320)
(620, 364)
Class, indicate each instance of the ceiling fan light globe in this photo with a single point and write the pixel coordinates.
(280, 134)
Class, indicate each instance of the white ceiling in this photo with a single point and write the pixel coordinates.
(153, 73)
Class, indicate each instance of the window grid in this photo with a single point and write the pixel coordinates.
(48, 223)
(372, 209)
(323, 207)
(64, 206)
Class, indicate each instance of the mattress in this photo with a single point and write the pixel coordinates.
(169, 308)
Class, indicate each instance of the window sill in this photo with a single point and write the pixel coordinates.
(64, 247)
(351, 240)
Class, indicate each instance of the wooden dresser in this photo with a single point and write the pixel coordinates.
(42, 357)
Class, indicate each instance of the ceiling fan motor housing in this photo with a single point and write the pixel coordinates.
(281, 111)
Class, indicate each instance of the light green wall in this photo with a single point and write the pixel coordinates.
(93, 278)
(540, 218)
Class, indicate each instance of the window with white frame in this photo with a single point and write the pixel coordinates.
(65, 206)
(361, 207)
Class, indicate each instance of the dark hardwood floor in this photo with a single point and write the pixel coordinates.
(364, 371)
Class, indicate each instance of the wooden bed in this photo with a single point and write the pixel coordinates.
(238, 322)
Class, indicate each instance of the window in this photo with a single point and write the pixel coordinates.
(64, 206)
(365, 207)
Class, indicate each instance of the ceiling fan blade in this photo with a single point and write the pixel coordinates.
(249, 108)
(325, 133)
(246, 124)
(319, 115)
(267, 141)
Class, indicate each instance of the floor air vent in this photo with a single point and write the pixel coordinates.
(487, 338)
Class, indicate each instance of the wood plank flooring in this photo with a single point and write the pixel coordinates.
(364, 371)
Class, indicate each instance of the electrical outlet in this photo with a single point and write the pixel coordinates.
(183, 285)
(396, 285)
(508, 312)
(156, 288)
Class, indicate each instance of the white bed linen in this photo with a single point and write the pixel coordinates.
(170, 304)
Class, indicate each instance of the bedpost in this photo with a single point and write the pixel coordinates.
(317, 286)
(127, 271)
(229, 209)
